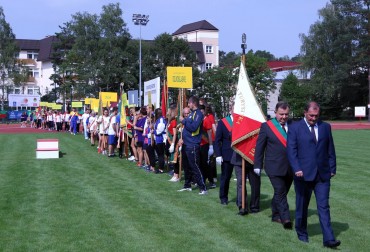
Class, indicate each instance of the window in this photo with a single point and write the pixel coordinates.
(208, 66)
(209, 49)
(32, 55)
(33, 90)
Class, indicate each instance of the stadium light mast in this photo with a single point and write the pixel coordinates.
(140, 20)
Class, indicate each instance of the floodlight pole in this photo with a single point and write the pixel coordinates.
(140, 19)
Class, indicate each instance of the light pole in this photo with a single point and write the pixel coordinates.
(140, 19)
(244, 46)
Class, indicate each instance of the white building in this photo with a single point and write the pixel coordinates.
(203, 38)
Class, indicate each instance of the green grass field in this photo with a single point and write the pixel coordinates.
(86, 202)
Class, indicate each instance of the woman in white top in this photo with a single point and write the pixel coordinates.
(103, 122)
(93, 127)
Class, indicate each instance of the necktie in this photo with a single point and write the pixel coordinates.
(313, 132)
(283, 126)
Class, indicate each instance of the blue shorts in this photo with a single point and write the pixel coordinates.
(112, 140)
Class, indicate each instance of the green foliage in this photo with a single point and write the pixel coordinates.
(336, 50)
(218, 85)
(86, 202)
(295, 93)
(8, 50)
(91, 53)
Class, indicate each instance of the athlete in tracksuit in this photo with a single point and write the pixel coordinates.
(191, 136)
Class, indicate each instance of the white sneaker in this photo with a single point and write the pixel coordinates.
(203, 192)
(131, 158)
(174, 179)
(184, 189)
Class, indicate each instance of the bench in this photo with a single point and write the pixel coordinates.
(47, 148)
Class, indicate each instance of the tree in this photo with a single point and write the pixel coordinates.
(91, 49)
(336, 50)
(264, 54)
(218, 85)
(295, 93)
(8, 50)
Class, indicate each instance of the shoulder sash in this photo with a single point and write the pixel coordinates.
(228, 123)
(277, 130)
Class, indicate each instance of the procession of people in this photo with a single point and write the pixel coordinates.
(182, 144)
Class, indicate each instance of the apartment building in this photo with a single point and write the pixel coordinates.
(35, 56)
(203, 38)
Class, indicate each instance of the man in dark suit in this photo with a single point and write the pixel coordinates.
(270, 154)
(224, 152)
(311, 154)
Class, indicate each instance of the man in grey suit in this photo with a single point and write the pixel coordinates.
(311, 154)
(271, 155)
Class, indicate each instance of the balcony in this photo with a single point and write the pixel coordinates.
(28, 62)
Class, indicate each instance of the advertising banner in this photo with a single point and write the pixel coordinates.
(152, 89)
(77, 104)
(22, 100)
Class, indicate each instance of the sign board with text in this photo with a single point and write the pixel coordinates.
(180, 77)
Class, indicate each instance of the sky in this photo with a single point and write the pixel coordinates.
(270, 25)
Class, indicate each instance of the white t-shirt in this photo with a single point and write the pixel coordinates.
(84, 118)
(92, 123)
(112, 125)
(104, 124)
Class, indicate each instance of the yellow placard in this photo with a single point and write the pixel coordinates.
(88, 101)
(43, 104)
(180, 77)
(57, 106)
(107, 97)
(51, 104)
(77, 105)
(94, 104)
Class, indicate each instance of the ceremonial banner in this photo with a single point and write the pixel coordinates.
(153, 87)
(123, 104)
(164, 99)
(180, 77)
(247, 116)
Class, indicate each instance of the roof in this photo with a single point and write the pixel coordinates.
(200, 25)
(28, 44)
(198, 49)
(282, 65)
(43, 46)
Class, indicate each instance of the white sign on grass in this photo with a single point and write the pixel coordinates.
(360, 111)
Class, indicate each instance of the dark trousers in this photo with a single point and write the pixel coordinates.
(191, 165)
(279, 202)
(151, 155)
(172, 166)
(255, 183)
(159, 149)
(303, 191)
(74, 127)
(204, 166)
(226, 172)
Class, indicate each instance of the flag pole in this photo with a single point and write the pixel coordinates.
(244, 209)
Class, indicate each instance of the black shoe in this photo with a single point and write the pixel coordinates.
(332, 244)
(303, 239)
(224, 202)
(287, 224)
(120, 156)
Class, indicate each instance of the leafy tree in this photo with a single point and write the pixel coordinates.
(218, 85)
(91, 52)
(336, 50)
(264, 54)
(295, 93)
(230, 59)
(8, 50)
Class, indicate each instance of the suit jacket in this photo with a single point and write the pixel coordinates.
(307, 156)
(222, 144)
(270, 153)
